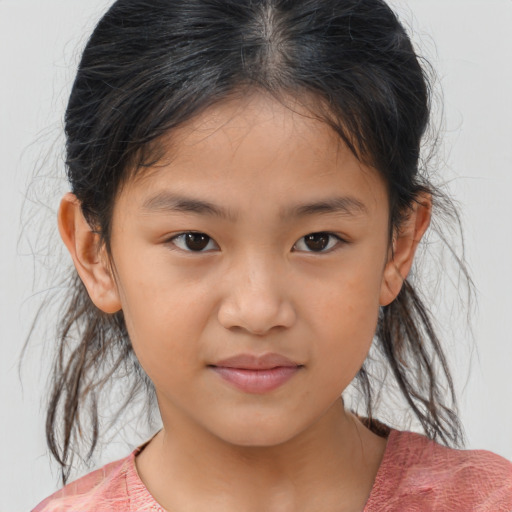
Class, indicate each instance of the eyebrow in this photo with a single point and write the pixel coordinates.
(346, 205)
(169, 202)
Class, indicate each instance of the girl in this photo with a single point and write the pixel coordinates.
(245, 207)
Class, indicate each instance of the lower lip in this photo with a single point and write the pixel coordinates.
(257, 381)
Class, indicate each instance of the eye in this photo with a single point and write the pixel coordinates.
(193, 242)
(318, 242)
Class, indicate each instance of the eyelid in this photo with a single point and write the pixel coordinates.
(170, 241)
(340, 241)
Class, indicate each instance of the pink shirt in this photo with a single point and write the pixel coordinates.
(416, 475)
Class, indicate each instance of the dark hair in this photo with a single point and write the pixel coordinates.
(151, 65)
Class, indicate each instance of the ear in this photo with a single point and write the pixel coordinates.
(405, 242)
(88, 254)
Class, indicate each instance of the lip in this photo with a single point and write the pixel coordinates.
(256, 374)
(253, 362)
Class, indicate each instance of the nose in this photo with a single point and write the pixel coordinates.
(256, 298)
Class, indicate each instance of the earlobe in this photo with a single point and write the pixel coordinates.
(405, 243)
(89, 256)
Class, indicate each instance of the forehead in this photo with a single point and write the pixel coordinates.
(236, 126)
(259, 147)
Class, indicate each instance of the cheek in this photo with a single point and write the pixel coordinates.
(164, 318)
(345, 318)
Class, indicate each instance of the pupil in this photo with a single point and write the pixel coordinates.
(317, 241)
(196, 241)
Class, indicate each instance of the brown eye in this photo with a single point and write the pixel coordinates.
(196, 241)
(193, 242)
(317, 242)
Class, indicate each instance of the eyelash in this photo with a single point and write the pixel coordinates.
(182, 236)
(338, 241)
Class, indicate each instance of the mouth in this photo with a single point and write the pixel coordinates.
(256, 374)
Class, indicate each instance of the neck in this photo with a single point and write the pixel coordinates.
(332, 466)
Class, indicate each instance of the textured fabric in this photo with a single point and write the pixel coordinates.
(416, 475)
(419, 475)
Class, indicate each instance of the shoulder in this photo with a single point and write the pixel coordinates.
(419, 472)
(108, 489)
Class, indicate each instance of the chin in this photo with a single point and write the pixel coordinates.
(258, 434)
(258, 440)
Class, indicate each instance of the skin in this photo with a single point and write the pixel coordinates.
(257, 288)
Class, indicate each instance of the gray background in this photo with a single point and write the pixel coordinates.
(470, 45)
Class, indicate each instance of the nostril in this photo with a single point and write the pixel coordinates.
(257, 306)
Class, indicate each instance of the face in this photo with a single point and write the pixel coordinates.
(249, 265)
